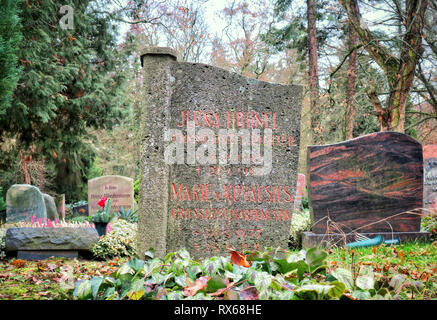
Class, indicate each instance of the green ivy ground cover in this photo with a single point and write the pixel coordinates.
(399, 272)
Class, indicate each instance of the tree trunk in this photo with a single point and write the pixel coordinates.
(399, 71)
(25, 162)
(351, 79)
(312, 65)
(409, 58)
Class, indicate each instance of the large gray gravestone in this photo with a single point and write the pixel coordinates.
(24, 201)
(198, 190)
(118, 188)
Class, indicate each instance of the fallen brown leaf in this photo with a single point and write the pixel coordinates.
(239, 259)
(199, 284)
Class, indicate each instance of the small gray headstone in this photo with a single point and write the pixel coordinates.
(51, 209)
(24, 201)
(60, 205)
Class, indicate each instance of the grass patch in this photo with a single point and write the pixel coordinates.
(415, 261)
(47, 279)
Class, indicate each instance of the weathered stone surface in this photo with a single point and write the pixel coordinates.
(24, 201)
(43, 254)
(120, 189)
(365, 183)
(212, 206)
(51, 210)
(430, 178)
(67, 238)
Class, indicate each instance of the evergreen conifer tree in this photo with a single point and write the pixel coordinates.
(10, 37)
(72, 80)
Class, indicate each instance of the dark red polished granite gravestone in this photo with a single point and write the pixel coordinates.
(364, 185)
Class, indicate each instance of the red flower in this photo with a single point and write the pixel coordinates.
(102, 202)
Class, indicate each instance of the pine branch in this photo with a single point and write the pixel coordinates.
(357, 46)
(427, 114)
(429, 87)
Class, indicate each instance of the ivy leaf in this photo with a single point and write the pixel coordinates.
(193, 271)
(211, 266)
(149, 254)
(249, 293)
(254, 256)
(231, 295)
(302, 267)
(225, 290)
(215, 283)
(366, 280)
(330, 278)
(83, 290)
(262, 281)
(184, 254)
(315, 257)
(125, 269)
(237, 273)
(295, 257)
(397, 281)
(153, 265)
(337, 290)
(235, 277)
(181, 280)
(178, 266)
(109, 294)
(361, 295)
(159, 278)
(315, 290)
(137, 290)
(161, 294)
(175, 295)
(95, 285)
(169, 255)
(251, 275)
(345, 276)
(383, 292)
(136, 264)
(284, 266)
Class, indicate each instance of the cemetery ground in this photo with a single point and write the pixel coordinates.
(405, 272)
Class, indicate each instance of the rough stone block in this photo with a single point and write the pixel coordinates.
(68, 238)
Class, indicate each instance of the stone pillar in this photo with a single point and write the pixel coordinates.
(154, 119)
